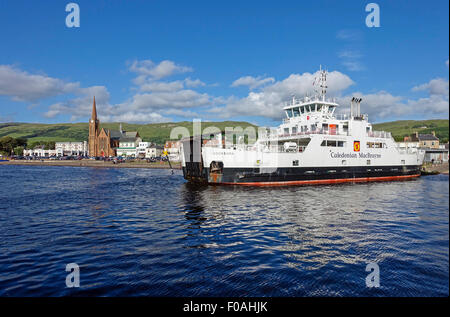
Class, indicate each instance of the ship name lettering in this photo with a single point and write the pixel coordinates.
(354, 155)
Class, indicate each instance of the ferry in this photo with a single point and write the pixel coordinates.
(313, 145)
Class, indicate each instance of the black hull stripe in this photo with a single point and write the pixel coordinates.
(300, 174)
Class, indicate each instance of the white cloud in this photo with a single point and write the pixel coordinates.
(193, 82)
(269, 100)
(22, 86)
(349, 54)
(141, 117)
(349, 35)
(383, 105)
(438, 86)
(351, 60)
(159, 86)
(156, 100)
(377, 105)
(165, 100)
(252, 82)
(157, 71)
(354, 66)
(81, 106)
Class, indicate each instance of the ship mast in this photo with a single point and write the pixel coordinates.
(321, 80)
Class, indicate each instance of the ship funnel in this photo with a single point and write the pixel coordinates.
(355, 107)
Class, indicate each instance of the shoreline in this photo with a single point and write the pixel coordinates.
(427, 169)
(434, 169)
(91, 163)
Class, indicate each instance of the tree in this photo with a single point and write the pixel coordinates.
(7, 144)
(22, 142)
(48, 145)
(18, 150)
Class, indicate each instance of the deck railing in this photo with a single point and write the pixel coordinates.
(304, 133)
(380, 134)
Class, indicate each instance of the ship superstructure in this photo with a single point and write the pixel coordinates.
(313, 145)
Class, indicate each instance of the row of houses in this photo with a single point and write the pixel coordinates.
(434, 151)
(128, 147)
(61, 149)
(139, 149)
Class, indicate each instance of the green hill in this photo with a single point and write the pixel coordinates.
(157, 132)
(402, 128)
(160, 132)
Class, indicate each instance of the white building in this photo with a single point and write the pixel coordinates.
(173, 150)
(39, 152)
(408, 144)
(71, 148)
(153, 151)
(128, 146)
(436, 155)
(141, 149)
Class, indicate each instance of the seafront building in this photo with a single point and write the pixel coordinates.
(153, 151)
(39, 152)
(128, 148)
(71, 148)
(128, 144)
(141, 149)
(104, 142)
(430, 141)
(173, 150)
(434, 152)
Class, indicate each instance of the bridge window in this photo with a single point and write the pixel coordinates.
(376, 145)
(289, 113)
(296, 112)
(302, 110)
(333, 143)
(319, 107)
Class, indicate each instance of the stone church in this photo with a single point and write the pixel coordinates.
(104, 142)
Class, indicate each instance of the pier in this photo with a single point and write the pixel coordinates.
(433, 169)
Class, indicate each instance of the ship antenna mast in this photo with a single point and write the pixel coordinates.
(321, 80)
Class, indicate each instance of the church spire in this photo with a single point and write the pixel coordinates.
(94, 111)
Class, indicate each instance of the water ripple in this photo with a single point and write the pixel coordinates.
(142, 232)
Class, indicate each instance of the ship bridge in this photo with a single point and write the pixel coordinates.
(318, 107)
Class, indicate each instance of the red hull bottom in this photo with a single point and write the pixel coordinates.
(324, 181)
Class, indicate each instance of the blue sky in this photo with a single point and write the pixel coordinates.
(152, 61)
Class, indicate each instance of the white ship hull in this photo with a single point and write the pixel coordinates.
(315, 165)
(311, 146)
